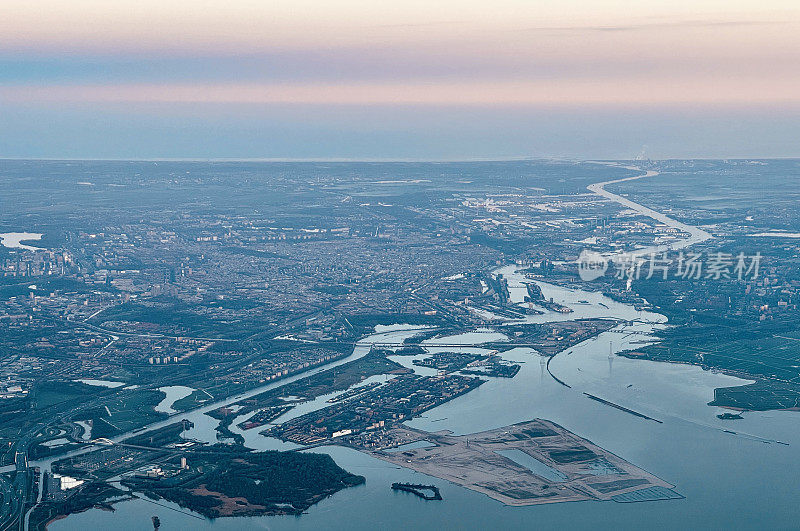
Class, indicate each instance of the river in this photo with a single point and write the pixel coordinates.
(694, 234)
(741, 480)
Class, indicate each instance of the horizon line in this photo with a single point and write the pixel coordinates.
(384, 159)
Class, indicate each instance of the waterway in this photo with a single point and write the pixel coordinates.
(13, 240)
(694, 234)
(101, 383)
(172, 393)
(742, 480)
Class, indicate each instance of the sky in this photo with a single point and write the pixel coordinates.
(444, 80)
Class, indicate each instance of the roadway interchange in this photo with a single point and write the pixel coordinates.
(16, 493)
(14, 515)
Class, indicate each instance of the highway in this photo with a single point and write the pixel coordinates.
(15, 493)
(362, 349)
(13, 516)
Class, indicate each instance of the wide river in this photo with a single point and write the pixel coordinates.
(730, 480)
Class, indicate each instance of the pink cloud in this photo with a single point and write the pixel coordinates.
(624, 90)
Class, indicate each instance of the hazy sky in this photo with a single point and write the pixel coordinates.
(415, 79)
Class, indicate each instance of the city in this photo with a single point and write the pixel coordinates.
(263, 321)
(307, 265)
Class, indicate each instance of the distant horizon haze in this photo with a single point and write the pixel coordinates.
(354, 79)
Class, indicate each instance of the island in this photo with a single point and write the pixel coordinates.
(241, 483)
(528, 463)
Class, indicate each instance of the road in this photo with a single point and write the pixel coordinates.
(13, 515)
(361, 349)
(15, 494)
(20, 484)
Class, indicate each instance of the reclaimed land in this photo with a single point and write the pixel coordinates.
(528, 463)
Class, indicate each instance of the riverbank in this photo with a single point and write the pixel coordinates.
(691, 449)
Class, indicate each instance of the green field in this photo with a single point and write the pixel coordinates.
(770, 354)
